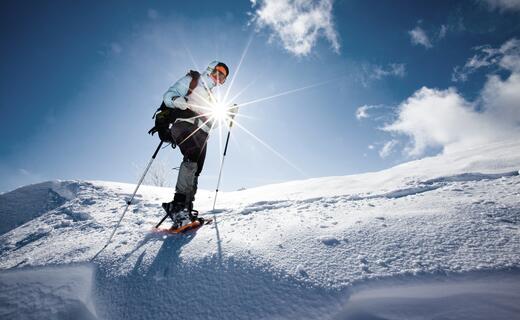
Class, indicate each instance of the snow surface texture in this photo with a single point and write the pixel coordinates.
(302, 249)
(47, 293)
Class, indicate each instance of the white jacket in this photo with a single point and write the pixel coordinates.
(201, 99)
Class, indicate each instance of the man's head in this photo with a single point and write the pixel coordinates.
(218, 71)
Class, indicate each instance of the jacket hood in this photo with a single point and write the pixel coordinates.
(209, 70)
(211, 67)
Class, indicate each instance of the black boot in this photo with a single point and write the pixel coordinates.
(172, 207)
(178, 210)
(176, 205)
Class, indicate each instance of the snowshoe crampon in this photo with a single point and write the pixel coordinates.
(194, 225)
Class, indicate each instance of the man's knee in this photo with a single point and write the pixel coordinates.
(187, 177)
(189, 166)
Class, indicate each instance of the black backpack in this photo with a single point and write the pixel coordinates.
(165, 116)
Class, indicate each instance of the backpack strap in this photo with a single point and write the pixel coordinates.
(195, 75)
(169, 114)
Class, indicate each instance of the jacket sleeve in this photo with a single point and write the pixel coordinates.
(178, 89)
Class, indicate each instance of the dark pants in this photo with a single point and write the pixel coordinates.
(191, 141)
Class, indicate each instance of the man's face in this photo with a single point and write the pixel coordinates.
(218, 76)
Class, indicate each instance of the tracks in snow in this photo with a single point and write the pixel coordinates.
(415, 189)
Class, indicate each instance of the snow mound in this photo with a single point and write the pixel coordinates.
(291, 250)
(59, 293)
(472, 296)
(26, 203)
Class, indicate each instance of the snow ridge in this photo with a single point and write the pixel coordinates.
(294, 250)
(417, 188)
(27, 203)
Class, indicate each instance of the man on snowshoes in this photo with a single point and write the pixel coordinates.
(188, 103)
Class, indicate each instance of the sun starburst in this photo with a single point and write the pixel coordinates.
(221, 111)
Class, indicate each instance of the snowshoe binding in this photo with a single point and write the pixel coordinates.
(183, 218)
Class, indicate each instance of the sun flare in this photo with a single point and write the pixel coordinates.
(220, 112)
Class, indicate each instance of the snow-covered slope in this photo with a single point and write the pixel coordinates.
(28, 202)
(292, 250)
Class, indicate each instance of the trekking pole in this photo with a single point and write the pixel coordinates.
(223, 158)
(129, 202)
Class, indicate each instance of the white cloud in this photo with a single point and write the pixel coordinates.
(393, 69)
(506, 57)
(504, 5)
(443, 118)
(376, 112)
(361, 112)
(388, 148)
(431, 36)
(371, 72)
(440, 118)
(502, 99)
(297, 23)
(364, 112)
(443, 31)
(419, 37)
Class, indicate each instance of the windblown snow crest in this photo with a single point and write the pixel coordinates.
(293, 250)
(29, 202)
(51, 292)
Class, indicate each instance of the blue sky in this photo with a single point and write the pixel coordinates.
(384, 83)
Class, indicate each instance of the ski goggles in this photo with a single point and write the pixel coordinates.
(222, 71)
